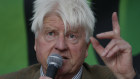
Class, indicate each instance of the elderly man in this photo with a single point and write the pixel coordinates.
(65, 27)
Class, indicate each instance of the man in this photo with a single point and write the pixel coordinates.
(65, 27)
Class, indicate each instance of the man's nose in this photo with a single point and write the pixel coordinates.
(61, 44)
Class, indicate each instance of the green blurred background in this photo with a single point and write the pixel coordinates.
(13, 44)
(13, 41)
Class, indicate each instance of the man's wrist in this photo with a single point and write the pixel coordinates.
(129, 75)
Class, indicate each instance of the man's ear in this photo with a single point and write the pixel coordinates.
(87, 49)
(35, 45)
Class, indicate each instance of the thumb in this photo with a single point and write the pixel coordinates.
(97, 46)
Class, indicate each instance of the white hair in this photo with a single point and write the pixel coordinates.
(73, 12)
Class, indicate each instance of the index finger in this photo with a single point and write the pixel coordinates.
(115, 23)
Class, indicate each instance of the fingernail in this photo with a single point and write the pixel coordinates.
(98, 35)
(104, 53)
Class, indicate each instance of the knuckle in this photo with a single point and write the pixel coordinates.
(114, 41)
(118, 47)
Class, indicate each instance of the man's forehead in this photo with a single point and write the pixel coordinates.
(68, 28)
(52, 18)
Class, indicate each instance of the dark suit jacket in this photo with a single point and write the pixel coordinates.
(89, 72)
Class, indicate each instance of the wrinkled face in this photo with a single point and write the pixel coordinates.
(71, 45)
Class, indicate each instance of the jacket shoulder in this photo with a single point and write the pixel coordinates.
(26, 73)
(97, 72)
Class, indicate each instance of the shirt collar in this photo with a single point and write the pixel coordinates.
(77, 76)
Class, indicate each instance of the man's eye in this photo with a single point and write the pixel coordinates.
(50, 36)
(71, 36)
(51, 33)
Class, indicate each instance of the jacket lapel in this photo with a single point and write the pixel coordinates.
(86, 74)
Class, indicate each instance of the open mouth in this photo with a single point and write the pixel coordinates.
(65, 57)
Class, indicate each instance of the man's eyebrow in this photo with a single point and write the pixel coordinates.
(72, 30)
(75, 30)
(49, 28)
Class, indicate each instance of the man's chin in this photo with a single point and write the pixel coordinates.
(61, 70)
